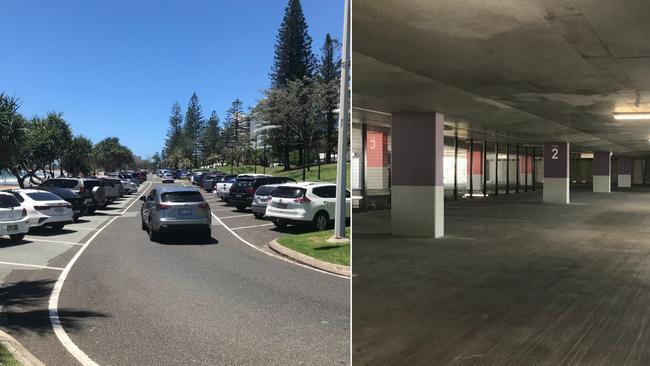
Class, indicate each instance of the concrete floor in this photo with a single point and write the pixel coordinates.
(514, 282)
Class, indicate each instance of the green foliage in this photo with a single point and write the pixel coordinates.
(192, 129)
(79, 156)
(236, 133)
(293, 56)
(329, 77)
(12, 134)
(175, 129)
(110, 155)
(211, 139)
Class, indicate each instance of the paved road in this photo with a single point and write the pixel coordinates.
(182, 301)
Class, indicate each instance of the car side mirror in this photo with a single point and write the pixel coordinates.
(143, 198)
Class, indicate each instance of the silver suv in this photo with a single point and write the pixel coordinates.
(175, 209)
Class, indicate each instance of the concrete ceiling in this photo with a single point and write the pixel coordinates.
(518, 71)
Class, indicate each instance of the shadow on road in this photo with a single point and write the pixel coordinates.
(25, 309)
(180, 239)
(6, 243)
(47, 231)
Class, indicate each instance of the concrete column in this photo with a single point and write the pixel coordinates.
(556, 172)
(624, 172)
(602, 171)
(417, 194)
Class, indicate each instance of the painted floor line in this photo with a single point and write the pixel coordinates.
(250, 227)
(31, 265)
(231, 231)
(234, 216)
(53, 305)
(52, 241)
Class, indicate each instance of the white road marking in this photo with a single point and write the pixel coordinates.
(250, 227)
(52, 241)
(223, 209)
(53, 306)
(234, 216)
(31, 265)
(270, 254)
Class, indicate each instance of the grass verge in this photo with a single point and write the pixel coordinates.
(315, 245)
(6, 358)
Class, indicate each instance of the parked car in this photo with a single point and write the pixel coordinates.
(244, 187)
(260, 199)
(167, 178)
(195, 177)
(111, 190)
(305, 203)
(44, 208)
(78, 205)
(223, 188)
(13, 217)
(90, 189)
(142, 176)
(209, 181)
(174, 209)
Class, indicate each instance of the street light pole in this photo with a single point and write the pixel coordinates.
(344, 120)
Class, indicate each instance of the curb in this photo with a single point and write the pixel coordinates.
(310, 261)
(20, 353)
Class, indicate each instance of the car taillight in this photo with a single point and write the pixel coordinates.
(163, 207)
(82, 190)
(302, 199)
(24, 212)
(41, 208)
(250, 190)
(204, 205)
(67, 206)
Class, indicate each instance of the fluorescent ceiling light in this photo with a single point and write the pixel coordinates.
(632, 115)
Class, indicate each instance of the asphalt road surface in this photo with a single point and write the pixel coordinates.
(130, 301)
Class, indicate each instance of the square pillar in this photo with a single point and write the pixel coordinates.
(556, 172)
(602, 171)
(624, 172)
(417, 193)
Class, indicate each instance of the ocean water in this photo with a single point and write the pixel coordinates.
(7, 179)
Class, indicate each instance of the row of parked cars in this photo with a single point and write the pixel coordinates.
(279, 199)
(60, 201)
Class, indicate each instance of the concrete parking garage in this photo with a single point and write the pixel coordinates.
(502, 206)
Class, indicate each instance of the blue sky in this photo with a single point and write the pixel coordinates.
(114, 68)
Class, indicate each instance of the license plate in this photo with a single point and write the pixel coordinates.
(58, 209)
(281, 205)
(12, 227)
(184, 211)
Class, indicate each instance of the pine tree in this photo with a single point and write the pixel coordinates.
(293, 56)
(175, 131)
(235, 131)
(192, 129)
(328, 78)
(211, 137)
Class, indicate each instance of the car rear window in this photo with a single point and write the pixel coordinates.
(63, 183)
(43, 196)
(244, 183)
(289, 192)
(181, 197)
(264, 190)
(90, 184)
(8, 201)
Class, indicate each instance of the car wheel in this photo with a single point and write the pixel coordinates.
(321, 221)
(144, 226)
(16, 237)
(279, 223)
(91, 211)
(58, 227)
(258, 215)
(153, 235)
(241, 208)
(75, 217)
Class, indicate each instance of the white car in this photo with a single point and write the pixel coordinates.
(168, 178)
(305, 203)
(45, 208)
(13, 217)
